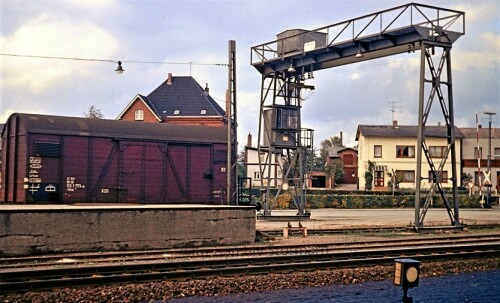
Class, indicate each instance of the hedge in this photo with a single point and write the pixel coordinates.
(370, 201)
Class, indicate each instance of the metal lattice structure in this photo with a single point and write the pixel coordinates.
(281, 133)
(232, 135)
(287, 62)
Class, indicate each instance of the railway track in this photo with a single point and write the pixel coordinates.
(22, 274)
(374, 230)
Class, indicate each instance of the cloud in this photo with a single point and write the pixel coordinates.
(480, 57)
(48, 35)
(92, 4)
(479, 12)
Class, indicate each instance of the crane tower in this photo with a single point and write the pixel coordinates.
(288, 61)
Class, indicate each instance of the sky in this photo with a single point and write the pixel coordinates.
(180, 32)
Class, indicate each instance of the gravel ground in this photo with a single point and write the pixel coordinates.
(166, 290)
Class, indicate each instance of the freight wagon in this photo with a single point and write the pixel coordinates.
(54, 159)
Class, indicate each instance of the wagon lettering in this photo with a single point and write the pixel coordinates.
(35, 160)
(50, 188)
(35, 166)
(35, 180)
(34, 188)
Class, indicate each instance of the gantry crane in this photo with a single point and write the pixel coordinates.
(288, 61)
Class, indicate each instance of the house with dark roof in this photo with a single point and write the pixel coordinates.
(393, 149)
(178, 100)
(348, 157)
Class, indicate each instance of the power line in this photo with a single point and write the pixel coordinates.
(59, 58)
(112, 61)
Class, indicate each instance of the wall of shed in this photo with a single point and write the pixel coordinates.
(50, 229)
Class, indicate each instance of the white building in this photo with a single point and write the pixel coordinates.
(393, 148)
(470, 154)
(260, 178)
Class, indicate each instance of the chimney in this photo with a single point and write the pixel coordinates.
(249, 140)
(207, 90)
(439, 123)
(395, 123)
(479, 126)
(341, 139)
(169, 80)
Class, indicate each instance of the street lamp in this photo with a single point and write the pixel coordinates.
(487, 180)
(119, 69)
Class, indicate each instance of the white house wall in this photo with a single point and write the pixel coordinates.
(468, 147)
(391, 162)
(253, 170)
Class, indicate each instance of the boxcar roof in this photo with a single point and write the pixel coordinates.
(60, 125)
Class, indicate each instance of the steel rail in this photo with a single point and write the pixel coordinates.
(276, 232)
(22, 280)
(219, 251)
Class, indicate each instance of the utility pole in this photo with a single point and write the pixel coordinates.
(488, 175)
(232, 124)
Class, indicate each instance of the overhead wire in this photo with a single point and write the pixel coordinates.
(109, 60)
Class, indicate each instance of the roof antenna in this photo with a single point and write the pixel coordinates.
(393, 107)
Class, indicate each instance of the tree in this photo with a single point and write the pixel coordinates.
(466, 178)
(369, 175)
(94, 113)
(336, 170)
(240, 164)
(398, 178)
(314, 162)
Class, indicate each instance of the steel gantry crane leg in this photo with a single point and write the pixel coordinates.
(435, 80)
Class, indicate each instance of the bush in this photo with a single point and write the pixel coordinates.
(382, 201)
(283, 201)
(368, 199)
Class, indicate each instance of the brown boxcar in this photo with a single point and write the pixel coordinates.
(53, 159)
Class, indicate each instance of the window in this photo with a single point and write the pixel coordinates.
(139, 115)
(478, 181)
(287, 118)
(478, 155)
(176, 112)
(406, 175)
(405, 151)
(496, 152)
(441, 178)
(348, 159)
(437, 151)
(377, 151)
(256, 175)
(203, 112)
(263, 157)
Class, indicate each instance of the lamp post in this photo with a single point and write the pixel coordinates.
(489, 185)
